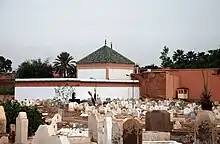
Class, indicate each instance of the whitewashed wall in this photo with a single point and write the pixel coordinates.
(94, 73)
(22, 93)
(120, 74)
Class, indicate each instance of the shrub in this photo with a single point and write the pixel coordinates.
(6, 90)
(206, 102)
(63, 94)
(12, 108)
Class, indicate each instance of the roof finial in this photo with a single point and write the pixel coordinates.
(105, 42)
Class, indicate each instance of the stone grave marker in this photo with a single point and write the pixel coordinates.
(155, 136)
(107, 130)
(205, 129)
(100, 128)
(116, 133)
(132, 132)
(95, 127)
(2, 121)
(92, 127)
(158, 120)
(56, 119)
(21, 128)
(71, 106)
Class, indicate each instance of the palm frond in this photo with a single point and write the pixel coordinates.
(64, 63)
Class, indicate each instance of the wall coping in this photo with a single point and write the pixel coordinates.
(74, 79)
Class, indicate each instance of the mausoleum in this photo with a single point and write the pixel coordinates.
(105, 63)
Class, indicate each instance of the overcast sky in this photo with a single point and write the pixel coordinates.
(138, 28)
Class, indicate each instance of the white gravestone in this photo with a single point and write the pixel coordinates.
(2, 121)
(56, 119)
(107, 130)
(71, 106)
(21, 128)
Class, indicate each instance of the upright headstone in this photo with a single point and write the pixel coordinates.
(116, 133)
(158, 120)
(56, 119)
(2, 121)
(132, 132)
(92, 127)
(205, 130)
(21, 128)
(95, 127)
(100, 126)
(107, 130)
(71, 106)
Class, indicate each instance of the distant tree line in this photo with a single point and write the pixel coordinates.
(63, 66)
(188, 60)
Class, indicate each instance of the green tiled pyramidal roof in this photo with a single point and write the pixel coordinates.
(105, 54)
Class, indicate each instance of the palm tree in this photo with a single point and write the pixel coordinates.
(64, 64)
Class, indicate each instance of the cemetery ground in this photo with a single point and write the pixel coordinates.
(117, 122)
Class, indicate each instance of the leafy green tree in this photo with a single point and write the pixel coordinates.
(214, 58)
(35, 69)
(64, 65)
(166, 60)
(202, 60)
(179, 59)
(5, 65)
(12, 108)
(4, 90)
(191, 59)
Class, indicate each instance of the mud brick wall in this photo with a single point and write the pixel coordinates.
(152, 84)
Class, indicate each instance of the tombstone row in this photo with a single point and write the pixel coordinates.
(157, 125)
(18, 133)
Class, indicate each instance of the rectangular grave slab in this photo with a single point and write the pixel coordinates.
(155, 136)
